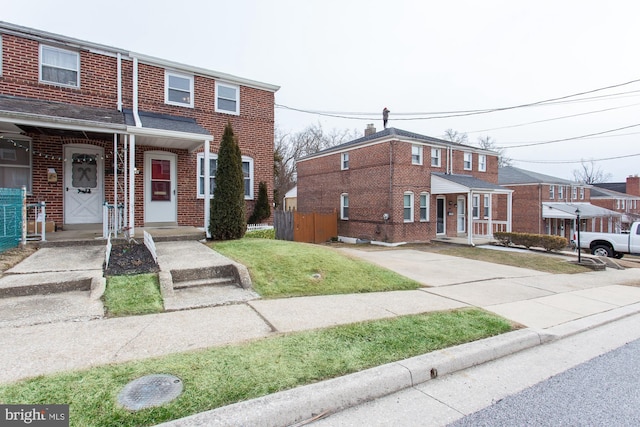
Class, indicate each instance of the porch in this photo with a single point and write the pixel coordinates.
(93, 236)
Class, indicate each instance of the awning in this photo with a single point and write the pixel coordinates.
(442, 183)
(166, 131)
(568, 211)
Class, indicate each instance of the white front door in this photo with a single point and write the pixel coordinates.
(83, 184)
(462, 215)
(160, 195)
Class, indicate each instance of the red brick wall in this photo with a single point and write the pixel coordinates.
(633, 185)
(376, 188)
(98, 88)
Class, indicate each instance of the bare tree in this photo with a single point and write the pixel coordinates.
(488, 143)
(589, 174)
(455, 136)
(288, 148)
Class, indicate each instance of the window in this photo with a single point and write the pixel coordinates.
(15, 164)
(560, 192)
(468, 161)
(435, 157)
(476, 206)
(227, 98)
(178, 89)
(487, 203)
(247, 171)
(574, 192)
(344, 206)
(424, 206)
(416, 154)
(635, 204)
(213, 167)
(622, 204)
(59, 66)
(344, 165)
(482, 162)
(552, 192)
(581, 193)
(408, 206)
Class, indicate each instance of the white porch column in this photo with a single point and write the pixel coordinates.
(490, 225)
(207, 188)
(470, 218)
(509, 211)
(132, 185)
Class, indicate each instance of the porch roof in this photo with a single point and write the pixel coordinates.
(442, 183)
(167, 131)
(19, 114)
(568, 210)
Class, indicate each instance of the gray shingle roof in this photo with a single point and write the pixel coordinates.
(512, 175)
(60, 110)
(166, 122)
(392, 132)
(620, 187)
(469, 181)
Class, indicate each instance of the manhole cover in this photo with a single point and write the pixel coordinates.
(150, 391)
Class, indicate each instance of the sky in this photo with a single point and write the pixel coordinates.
(340, 62)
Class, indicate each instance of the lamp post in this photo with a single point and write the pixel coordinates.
(578, 232)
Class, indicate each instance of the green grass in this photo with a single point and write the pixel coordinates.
(133, 295)
(220, 376)
(547, 263)
(286, 269)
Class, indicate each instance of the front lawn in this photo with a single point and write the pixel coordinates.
(132, 295)
(288, 269)
(223, 375)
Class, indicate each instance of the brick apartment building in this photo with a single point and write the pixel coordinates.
(82, 124)
(399, 186)
(544, 204)
(621, 197)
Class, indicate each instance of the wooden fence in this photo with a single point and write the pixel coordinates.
(305, 227)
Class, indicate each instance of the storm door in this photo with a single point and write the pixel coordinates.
(83, 184)
(160, 198)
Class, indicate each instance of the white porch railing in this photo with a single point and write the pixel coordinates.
(112, 219)
(39, 222)
(481, 227)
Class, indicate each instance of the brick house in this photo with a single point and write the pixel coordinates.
(84, 126)
(399, 186)
(544, 204)
(621, 197)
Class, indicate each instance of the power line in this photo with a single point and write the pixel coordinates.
(576, 161)
(568, 139)
(459, 113)
(553, 118)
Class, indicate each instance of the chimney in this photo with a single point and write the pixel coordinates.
(370, 130)
(633, 185)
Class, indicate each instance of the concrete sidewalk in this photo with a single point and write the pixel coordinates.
(550, 306)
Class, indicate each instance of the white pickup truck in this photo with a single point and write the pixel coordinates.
(612, 245)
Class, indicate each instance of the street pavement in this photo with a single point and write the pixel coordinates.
(548, 306)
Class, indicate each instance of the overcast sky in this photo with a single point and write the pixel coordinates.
(359, 56)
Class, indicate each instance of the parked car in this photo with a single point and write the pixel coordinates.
(613, 245)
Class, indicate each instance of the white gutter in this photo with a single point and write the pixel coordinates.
(161, 133)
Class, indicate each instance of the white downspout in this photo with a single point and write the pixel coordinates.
(207, 188)
(115, 184)
(132, 152)
(119, 82)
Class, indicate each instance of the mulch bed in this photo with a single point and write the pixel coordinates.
(130, 258)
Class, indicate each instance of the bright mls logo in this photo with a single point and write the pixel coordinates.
(34, 415)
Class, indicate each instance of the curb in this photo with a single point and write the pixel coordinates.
(313, 401)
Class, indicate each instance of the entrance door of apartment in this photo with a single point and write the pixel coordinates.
(160, 182)
(83, 184)
(462, 215)
(441, 218)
